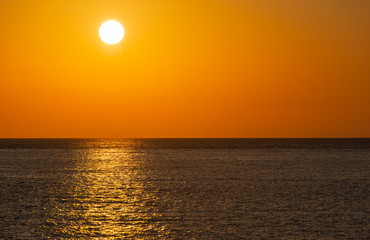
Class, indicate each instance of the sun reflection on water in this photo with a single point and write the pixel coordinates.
(105, 196)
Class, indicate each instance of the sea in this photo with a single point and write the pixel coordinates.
(184, 188)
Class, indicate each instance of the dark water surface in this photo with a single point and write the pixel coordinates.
(184, 188)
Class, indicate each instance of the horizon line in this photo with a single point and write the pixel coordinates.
(184, 137)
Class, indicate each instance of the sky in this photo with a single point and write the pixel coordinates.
(204, 68)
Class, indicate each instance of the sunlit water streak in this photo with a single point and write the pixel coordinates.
(189, 189)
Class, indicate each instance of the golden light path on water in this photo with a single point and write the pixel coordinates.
(107, 197)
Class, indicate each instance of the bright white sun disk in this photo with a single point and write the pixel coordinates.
(111, 32)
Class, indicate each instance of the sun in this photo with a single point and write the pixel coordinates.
(111, 32)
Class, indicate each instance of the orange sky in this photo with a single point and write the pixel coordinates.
(211, 68)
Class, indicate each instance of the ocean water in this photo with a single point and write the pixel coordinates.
(184, 188)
